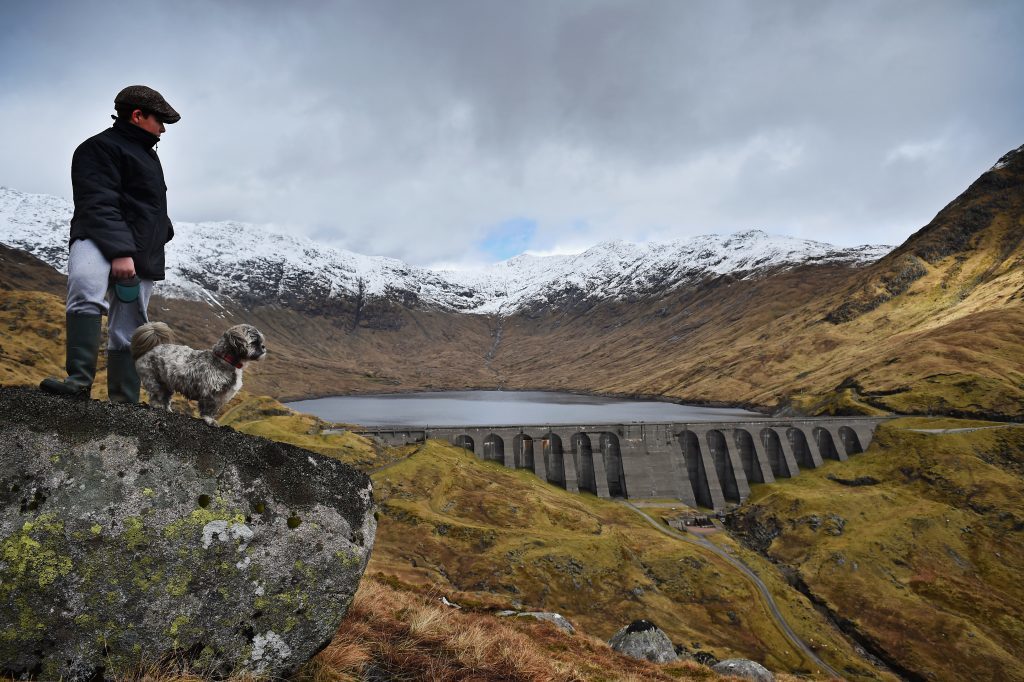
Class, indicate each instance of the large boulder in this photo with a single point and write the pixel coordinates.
(745, 668)
(644, 640)
(128, 535)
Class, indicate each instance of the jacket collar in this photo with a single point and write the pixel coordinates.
(136, 134)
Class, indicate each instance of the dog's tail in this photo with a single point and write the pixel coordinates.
(149, 336)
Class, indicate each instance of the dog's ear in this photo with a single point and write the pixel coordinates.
(237, 341)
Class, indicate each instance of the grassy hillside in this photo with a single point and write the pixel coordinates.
(924, 563)
(263, 416)
(32, 338)
(490, 538)
(495, 538)
(920, 562)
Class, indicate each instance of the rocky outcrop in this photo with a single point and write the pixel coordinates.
(128, 535)
(741, 667)
(857, 482)
(754, 527)
(644, 640)
(888, 284)
(556, 619)
(991, 202)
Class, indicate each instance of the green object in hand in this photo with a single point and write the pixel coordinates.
(127, 290)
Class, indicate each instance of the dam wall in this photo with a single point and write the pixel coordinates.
(704, 464)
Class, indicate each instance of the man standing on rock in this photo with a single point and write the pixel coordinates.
(118, 232)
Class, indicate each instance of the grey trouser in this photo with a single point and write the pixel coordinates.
(90, 292)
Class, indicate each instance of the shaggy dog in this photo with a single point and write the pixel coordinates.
(211, 377)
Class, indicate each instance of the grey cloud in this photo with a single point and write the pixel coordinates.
(409, 129)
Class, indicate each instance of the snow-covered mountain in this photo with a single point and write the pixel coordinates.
(246, 262)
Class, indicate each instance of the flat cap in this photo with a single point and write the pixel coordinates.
(147, 99)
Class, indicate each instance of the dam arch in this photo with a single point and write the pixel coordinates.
(690, 445)
(583, 458)
(826, 446)
(554, 461)
(776, 457)
(494, 449)
(748, 455)
(611, 453)
(522, 452)
(723, 465)
(801, 450)
(850, 441)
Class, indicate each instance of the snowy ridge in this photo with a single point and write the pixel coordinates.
(208, 261)
(1008, 158)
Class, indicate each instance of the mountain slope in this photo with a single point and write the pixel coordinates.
(932, 327)
(981, 230)
(309, 354)
(922, 558)
(750, 319)
(249, 264)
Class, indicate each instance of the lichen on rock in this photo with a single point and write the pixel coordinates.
(129, 534)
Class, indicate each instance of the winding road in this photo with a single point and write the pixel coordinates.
(769, 601)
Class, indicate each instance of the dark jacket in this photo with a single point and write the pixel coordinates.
(121, 198)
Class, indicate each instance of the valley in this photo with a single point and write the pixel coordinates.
(932, 327)
(901, 562)
(884, 564)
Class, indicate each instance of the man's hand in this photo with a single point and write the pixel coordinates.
(122, 268)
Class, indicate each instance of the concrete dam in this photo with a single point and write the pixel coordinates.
(707, 464)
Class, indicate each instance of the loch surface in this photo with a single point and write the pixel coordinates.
(502, 408)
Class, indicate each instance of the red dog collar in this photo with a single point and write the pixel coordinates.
(230, 359)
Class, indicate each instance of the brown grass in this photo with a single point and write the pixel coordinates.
(404, 635)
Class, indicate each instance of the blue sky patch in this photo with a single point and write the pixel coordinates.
(508, 238)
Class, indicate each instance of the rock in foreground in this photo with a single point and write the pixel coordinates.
(644, 640)
(127, 534)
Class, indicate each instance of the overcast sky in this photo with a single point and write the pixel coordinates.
(468, 132)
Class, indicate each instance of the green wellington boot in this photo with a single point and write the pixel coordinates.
(83, 346)
(122, 378)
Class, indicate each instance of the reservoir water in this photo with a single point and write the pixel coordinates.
(505, 408)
